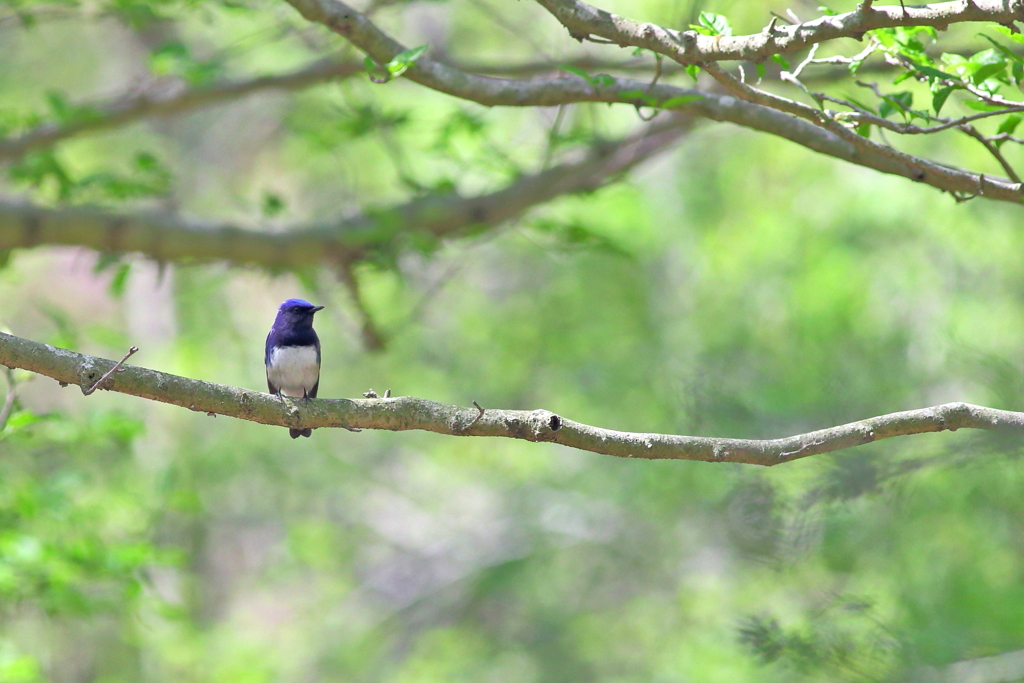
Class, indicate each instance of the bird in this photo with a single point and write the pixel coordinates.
(293, 355)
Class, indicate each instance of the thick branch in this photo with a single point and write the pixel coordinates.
(171, 238)
(690, 47)
(490, 91)
(407, 413)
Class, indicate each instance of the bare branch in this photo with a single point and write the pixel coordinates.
(171, 238)
(372, 337)
(407, 413)
(104, 116)
(993, 149)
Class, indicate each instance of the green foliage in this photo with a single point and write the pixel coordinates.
(598, 81)
(175, 59)
(398, 65)
(45, 173)
(70, 540)
(711, 24)
(739, 287)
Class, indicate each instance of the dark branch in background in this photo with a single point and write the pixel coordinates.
(134, 107)
(369, 332)
(407, 413)
(171, 238)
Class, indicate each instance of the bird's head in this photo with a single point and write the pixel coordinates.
(297, 312)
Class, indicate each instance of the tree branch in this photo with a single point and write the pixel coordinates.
(103, 116)
(408, 413)
(131, 107)
(170, 238)
(819, 135)
(690, 47)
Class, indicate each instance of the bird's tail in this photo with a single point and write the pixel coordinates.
(296, 433)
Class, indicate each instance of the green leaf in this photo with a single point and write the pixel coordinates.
(711, 24)
(933, 73)
(826, 11)
(401, 62)
(599, 81)
(1016, 37)
(1008, 125)
(939, 97)
(897, 102)
(978, 105)
(576, 71)
(272, 204)
(760, 70)
(120, 279)
(781, 61)
(986, 64)
(1005, 51)
(680, 100)
(692, 71)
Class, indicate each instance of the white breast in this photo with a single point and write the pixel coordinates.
(293, 369)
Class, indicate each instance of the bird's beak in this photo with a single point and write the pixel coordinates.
(317, 308)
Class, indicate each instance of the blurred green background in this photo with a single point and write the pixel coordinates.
(736, 285)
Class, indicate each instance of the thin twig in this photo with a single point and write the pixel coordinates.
(373, 340)
(810, 58)
(993, 150)
(549, 151)
(12, 394)
(477, 418)
(117, 367)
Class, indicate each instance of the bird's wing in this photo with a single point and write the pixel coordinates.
(312, 392)
(266, 361)
(267, 348)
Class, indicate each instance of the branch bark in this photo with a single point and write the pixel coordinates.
(408, 413)
(170, 238)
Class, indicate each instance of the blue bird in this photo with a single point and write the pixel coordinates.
(293, 354)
